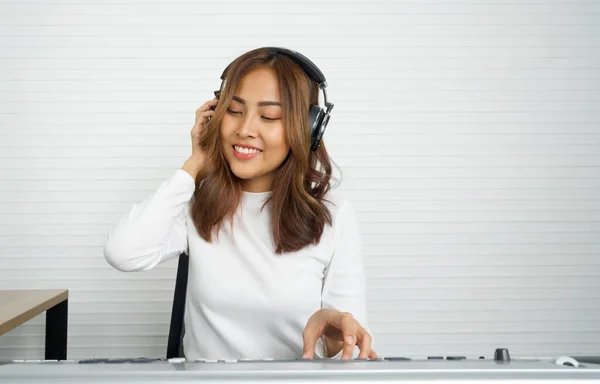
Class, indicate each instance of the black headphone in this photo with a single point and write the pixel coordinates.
(319, 117)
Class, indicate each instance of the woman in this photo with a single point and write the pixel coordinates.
(276, 266)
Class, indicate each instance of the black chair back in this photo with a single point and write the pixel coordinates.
(176, 327)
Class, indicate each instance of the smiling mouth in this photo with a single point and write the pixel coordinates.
(246, 151)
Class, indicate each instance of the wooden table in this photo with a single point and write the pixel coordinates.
(20, 306)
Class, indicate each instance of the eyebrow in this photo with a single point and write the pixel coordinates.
(260, 103)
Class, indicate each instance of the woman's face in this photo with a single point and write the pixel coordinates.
(252, 131)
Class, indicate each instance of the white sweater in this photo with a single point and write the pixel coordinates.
(243, 300)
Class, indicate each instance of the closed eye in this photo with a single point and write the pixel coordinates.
(264, 117)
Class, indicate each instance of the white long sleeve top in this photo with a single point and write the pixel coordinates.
(243, 300)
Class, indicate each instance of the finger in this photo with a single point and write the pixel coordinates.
(208, 115)
(348, 348)
(372, 355)
(206, 106)
(210, 112)
(364, 343)
(210, 102)
(202, 117)
(310, 335)
(202, 112)
(349, 328)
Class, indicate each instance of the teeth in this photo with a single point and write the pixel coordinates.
(246, 150)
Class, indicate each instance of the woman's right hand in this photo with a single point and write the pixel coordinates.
(198, 157)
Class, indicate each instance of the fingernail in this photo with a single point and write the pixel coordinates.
(349, 339)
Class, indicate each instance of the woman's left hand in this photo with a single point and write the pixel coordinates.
(343, 332)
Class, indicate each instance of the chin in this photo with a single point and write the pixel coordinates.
(244, 174)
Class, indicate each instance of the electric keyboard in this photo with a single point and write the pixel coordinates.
(564, 369)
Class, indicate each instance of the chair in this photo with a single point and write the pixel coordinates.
(176, 326)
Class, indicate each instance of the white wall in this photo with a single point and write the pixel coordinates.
(468, 133)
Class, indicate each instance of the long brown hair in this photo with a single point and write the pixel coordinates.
(299, 212)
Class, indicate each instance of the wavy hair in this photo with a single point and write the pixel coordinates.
(299, 212)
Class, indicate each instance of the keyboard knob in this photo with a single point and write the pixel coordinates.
(502, 355)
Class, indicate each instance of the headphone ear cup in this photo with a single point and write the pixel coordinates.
(320, 131)
(217, 96)
(316, 120)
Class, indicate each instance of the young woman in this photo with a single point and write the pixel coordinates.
(276, 268)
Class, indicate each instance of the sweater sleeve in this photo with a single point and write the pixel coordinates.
(344, 281)
(154, 230)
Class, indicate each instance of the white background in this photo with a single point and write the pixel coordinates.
(468, 133)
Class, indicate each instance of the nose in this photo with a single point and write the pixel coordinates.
(245, 127)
